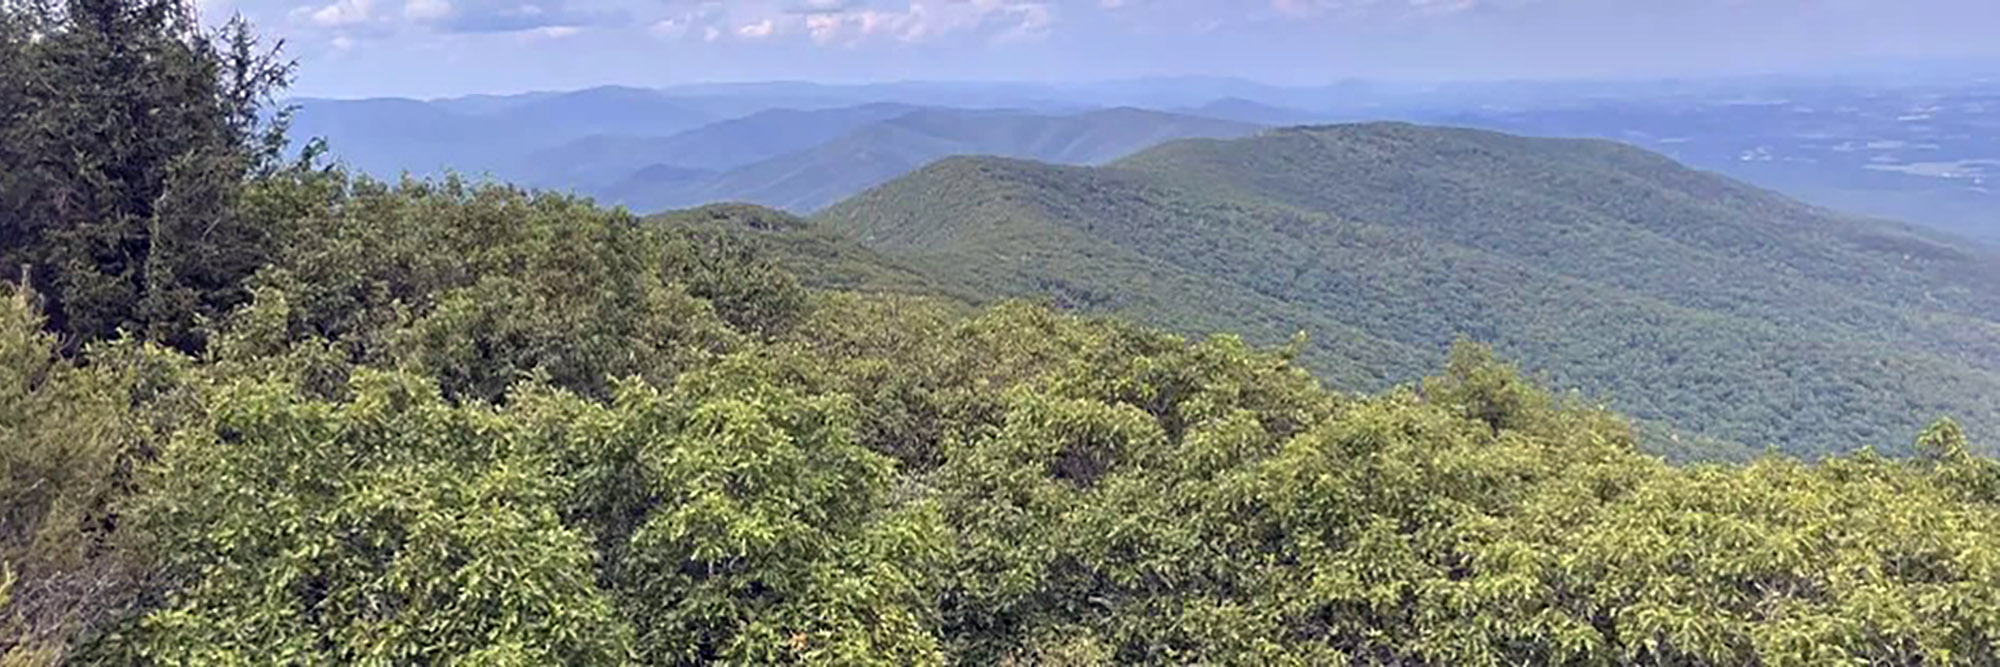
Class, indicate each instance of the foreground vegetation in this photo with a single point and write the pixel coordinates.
(440, 423)
(838, 478)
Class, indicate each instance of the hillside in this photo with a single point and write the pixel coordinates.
(809, 179)
(1251, 111)
(384, 137)
(1727, 312)
(818, 257)
(602, 160)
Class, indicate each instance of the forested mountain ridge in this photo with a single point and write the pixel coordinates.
(1481, 174)
(1722, 310)
(1846, 144)
(809, 179)
(600, 161)
(818, 257)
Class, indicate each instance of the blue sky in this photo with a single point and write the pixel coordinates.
(428, 48)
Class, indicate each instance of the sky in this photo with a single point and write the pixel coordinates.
(435, 48)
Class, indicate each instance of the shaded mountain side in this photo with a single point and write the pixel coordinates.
(604, 160)
(1251, 111)
(1722, 311)
(649, 180)
(603, 110)
(813, 178)
(384, 137)
(820, 258)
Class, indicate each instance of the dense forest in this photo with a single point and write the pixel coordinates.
(255, 410)
(1730, 319)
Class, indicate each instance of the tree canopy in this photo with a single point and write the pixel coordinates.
(126, 131)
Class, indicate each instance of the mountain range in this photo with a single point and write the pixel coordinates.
(1915, 149)
(811, 178)
(1725, 317)
(657, 152)
(387, 136)
(1729, 318)
(595, 161)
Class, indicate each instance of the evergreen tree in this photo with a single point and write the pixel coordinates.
(126, 133)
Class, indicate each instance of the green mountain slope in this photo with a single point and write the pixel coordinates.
(819, 257)
(1251, 111)
(1727, 312)
(813, 178)
(606, 159)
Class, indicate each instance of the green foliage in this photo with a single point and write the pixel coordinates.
(68, 439)
(482, 286)
(389, 529)
(128, 130)
(751, 293)
(1944, 440)
(1489, 391)
(763, 534)
(1727, 318)
(894, 480)
(818, 257)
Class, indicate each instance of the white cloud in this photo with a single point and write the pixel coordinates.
(1307, 8)
(922, 20)
(824, 28)
(1030, 20)
(1442, 6)
(850, 22)
(670, 28)
(550, 32)
(703, 18)
(531, 17)
(758, 30)
(338, 14)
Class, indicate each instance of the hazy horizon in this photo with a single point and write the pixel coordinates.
(444, 48)
(1877, 73)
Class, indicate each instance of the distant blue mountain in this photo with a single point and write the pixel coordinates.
(604, 159)
(815, 177)
(486, 134)
(1921, 149)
